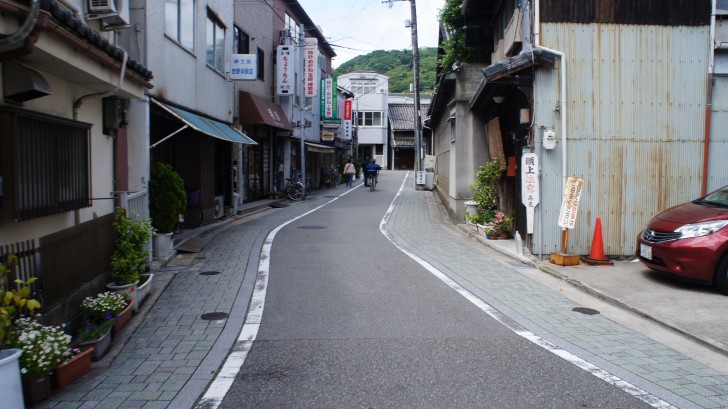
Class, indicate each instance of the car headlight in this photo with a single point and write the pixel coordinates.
(700, 229)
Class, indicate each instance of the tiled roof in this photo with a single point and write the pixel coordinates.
(402, 116)
(79, 29)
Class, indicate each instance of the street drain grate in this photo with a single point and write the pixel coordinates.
(209, 273)
(214, 316)
(311, 227)
(587, 311)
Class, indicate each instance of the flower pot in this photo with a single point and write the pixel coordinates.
(503, 236)
(76, 367)
(11, 388)
(144, 287)
(122, 318)
(100, 346)
(127, 290)
(36, 389)
(162, 245)
(492, 236)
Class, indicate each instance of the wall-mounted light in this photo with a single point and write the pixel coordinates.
(499, 99)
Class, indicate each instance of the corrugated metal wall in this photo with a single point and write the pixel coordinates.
(718, 172)
(635, 113)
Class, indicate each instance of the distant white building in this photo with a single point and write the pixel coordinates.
(371, 91)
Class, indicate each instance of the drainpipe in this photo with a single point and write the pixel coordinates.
(562, 109)
(708, 104)
(77, 104)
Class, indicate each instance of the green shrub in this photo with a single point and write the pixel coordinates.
(132, 248)
(167, 197)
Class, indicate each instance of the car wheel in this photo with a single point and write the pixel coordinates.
(721, 275)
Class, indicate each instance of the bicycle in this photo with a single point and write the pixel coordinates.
(372, 180)
(294, 189)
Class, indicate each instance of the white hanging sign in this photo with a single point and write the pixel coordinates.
(285, 78)
(244, 67)
(530, 187)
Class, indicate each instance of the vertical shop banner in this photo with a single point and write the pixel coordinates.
(310, 61)
(334, 98)
(284, 78)
(347, 119)
(328, 98)
(530, 188)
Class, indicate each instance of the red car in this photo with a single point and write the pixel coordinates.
(690, 241)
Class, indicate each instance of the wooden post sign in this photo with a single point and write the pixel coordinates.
(567, 220)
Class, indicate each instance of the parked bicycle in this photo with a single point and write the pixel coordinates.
(294, 189)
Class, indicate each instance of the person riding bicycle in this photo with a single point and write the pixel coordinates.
(373, 169)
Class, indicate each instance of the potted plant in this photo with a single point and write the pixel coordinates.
(485, 186)
(101, 314)
(130, 254)
(44, 348)
(503, 224)
(14, 301)
(167, 200)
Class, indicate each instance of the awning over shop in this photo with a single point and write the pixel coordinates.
(255, 110)
(403, 143)
(538, 57)
(315, 147)
(210, 127)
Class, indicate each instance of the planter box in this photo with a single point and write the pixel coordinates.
(123, 318)
(127, 290)
(36, 389)
(76, 367)
(144, 287)
(100, 346)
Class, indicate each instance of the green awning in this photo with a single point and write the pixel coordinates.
(210, 127)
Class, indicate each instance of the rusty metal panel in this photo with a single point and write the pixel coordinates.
(653, 12)
(718, 170)
(636, 123)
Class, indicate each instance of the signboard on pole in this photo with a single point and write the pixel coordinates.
(285, 70)
(244, 67)
(310, 61)
(570, 202)
(530, 188)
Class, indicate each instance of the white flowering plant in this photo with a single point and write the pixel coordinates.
(44, 347)
(104, 306)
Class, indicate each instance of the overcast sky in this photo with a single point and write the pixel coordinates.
(357, 27)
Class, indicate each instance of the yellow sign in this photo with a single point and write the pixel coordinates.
(327, 136)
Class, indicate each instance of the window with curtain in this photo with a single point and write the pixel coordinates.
(179, 22)
(215, 42)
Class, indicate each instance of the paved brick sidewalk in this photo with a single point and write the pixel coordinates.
(420, 224)
(174, 353)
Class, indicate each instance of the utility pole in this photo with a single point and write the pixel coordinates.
(419, 151)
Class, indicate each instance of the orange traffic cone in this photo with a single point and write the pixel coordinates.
(596, 257)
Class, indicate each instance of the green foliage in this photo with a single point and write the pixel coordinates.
(132, 250)
(93, 332)
(15, 300)
(454, 47)
(167, 197)
(485, 187)
(397, 65)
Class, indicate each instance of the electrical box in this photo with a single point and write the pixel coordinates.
(549, 139)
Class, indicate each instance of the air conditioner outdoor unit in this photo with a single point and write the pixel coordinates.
(101, 6)
(219, 207)
(114, 14)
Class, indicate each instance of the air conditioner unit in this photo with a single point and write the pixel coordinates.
(219, 207)
(114, 14)
(101, 7)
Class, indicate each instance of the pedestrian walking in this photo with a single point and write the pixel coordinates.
(349, 170)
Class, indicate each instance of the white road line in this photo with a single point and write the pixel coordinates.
(500, 317)
(226, 376)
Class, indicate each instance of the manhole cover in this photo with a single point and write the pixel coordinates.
(209, 273)
(584, 310)
(214, 316)
(311, 227)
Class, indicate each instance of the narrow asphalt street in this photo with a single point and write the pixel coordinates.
(172, 353)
